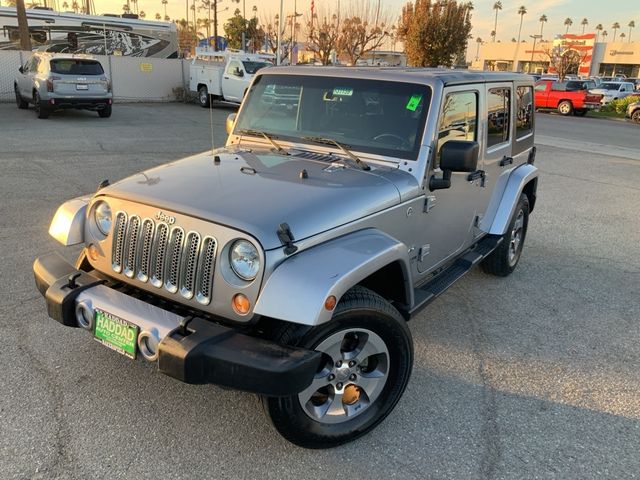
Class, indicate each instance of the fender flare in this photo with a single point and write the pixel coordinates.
(515, 185)
(297, 289)
(67, 226)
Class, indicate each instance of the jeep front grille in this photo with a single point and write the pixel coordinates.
(164, 256)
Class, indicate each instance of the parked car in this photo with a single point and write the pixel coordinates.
(60, 81)
(633, 112)
(554, 95)
(224, 75)
(288, 262)
(614, 90)
(580, 85)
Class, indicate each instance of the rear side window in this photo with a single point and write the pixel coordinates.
(498, 106)
(524, 105)
(459, 119)
(71, 66)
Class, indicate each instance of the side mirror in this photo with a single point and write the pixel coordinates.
(231, 120)
(21, 69)
(237, 72)
(455, 156)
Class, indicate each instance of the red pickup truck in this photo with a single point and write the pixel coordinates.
(551, 94)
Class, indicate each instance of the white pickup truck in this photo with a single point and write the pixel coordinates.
(224, 75)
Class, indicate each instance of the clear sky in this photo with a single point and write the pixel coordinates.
(596, 11)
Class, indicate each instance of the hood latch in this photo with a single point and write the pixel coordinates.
(286, 238)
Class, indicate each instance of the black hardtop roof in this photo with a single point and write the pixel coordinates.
(413, 74)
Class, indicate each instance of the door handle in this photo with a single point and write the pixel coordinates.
(506, 161)
(477, 175)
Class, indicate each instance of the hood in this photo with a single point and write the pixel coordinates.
(255, 191)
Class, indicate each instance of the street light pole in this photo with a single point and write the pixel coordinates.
(280, 23)
(535, 39)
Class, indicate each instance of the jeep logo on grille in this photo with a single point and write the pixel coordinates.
(163, 217)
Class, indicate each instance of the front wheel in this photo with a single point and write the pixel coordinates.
(635, 116)
(367, 357)
(203, 97)
(20, 102)
(565, 107)
(504, 259)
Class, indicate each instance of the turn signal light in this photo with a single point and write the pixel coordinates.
(330, 303)
(241, 304)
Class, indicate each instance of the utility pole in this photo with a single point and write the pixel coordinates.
(280, 30)
(215, 25)
(23, 26)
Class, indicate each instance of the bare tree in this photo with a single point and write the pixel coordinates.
(564, 60)
(323, 35)
(272, 29)
(363, 30)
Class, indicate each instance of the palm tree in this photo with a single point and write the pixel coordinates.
(158, 16)
(567, 22)
(584, 24)
(479, 42)
(522, 12)
(167, 18)
(126, 8)
(615, 28)
(543, 20)
(631, 25)
(497, 7)
(65, 5)
(599, 28)
(604, 35)
(142, 14)
(622, 36)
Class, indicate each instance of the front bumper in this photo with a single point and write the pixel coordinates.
(190, 349)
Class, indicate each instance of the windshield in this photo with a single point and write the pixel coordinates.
(70, 66)
(253, 67)
(372, 116)
(609, 86)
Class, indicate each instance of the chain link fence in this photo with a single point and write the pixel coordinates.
(133, 79)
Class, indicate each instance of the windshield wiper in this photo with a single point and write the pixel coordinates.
(341, 146)
(260, 133)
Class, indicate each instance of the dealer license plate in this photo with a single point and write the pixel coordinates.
(82, 86)
(115, 333)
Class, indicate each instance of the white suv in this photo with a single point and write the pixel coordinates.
(53, 82)
(614, 90)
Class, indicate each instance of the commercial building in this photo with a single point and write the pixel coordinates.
(597, 58)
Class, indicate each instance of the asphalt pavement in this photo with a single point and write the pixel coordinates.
(531, 376)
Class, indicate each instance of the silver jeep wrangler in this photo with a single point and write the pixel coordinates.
(288, 262)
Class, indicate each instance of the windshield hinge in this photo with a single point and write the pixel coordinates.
(286, 238)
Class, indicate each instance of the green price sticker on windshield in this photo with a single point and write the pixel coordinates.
(413, 102)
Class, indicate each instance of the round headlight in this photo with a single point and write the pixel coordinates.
(102, 216)
(244, 259)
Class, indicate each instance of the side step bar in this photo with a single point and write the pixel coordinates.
(428, 292)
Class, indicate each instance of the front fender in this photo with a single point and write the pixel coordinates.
(296, 291)
(501, 207)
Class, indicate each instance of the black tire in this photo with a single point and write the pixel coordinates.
(20, 102)
(42, 109)
(565, 107)
(363, 311)
(105, 112)
(635, 116)
(505, 258)
(204, 99)
(580, 112)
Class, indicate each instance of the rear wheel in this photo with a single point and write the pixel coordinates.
(565, 107)
(504, 259)
(42, 109)
(105, 112)
(20, 102)
(203, 96)
(367, 356)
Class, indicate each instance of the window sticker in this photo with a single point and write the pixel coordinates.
(343, 91)
(413, 102)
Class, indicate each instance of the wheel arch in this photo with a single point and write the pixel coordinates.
(368, 257)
